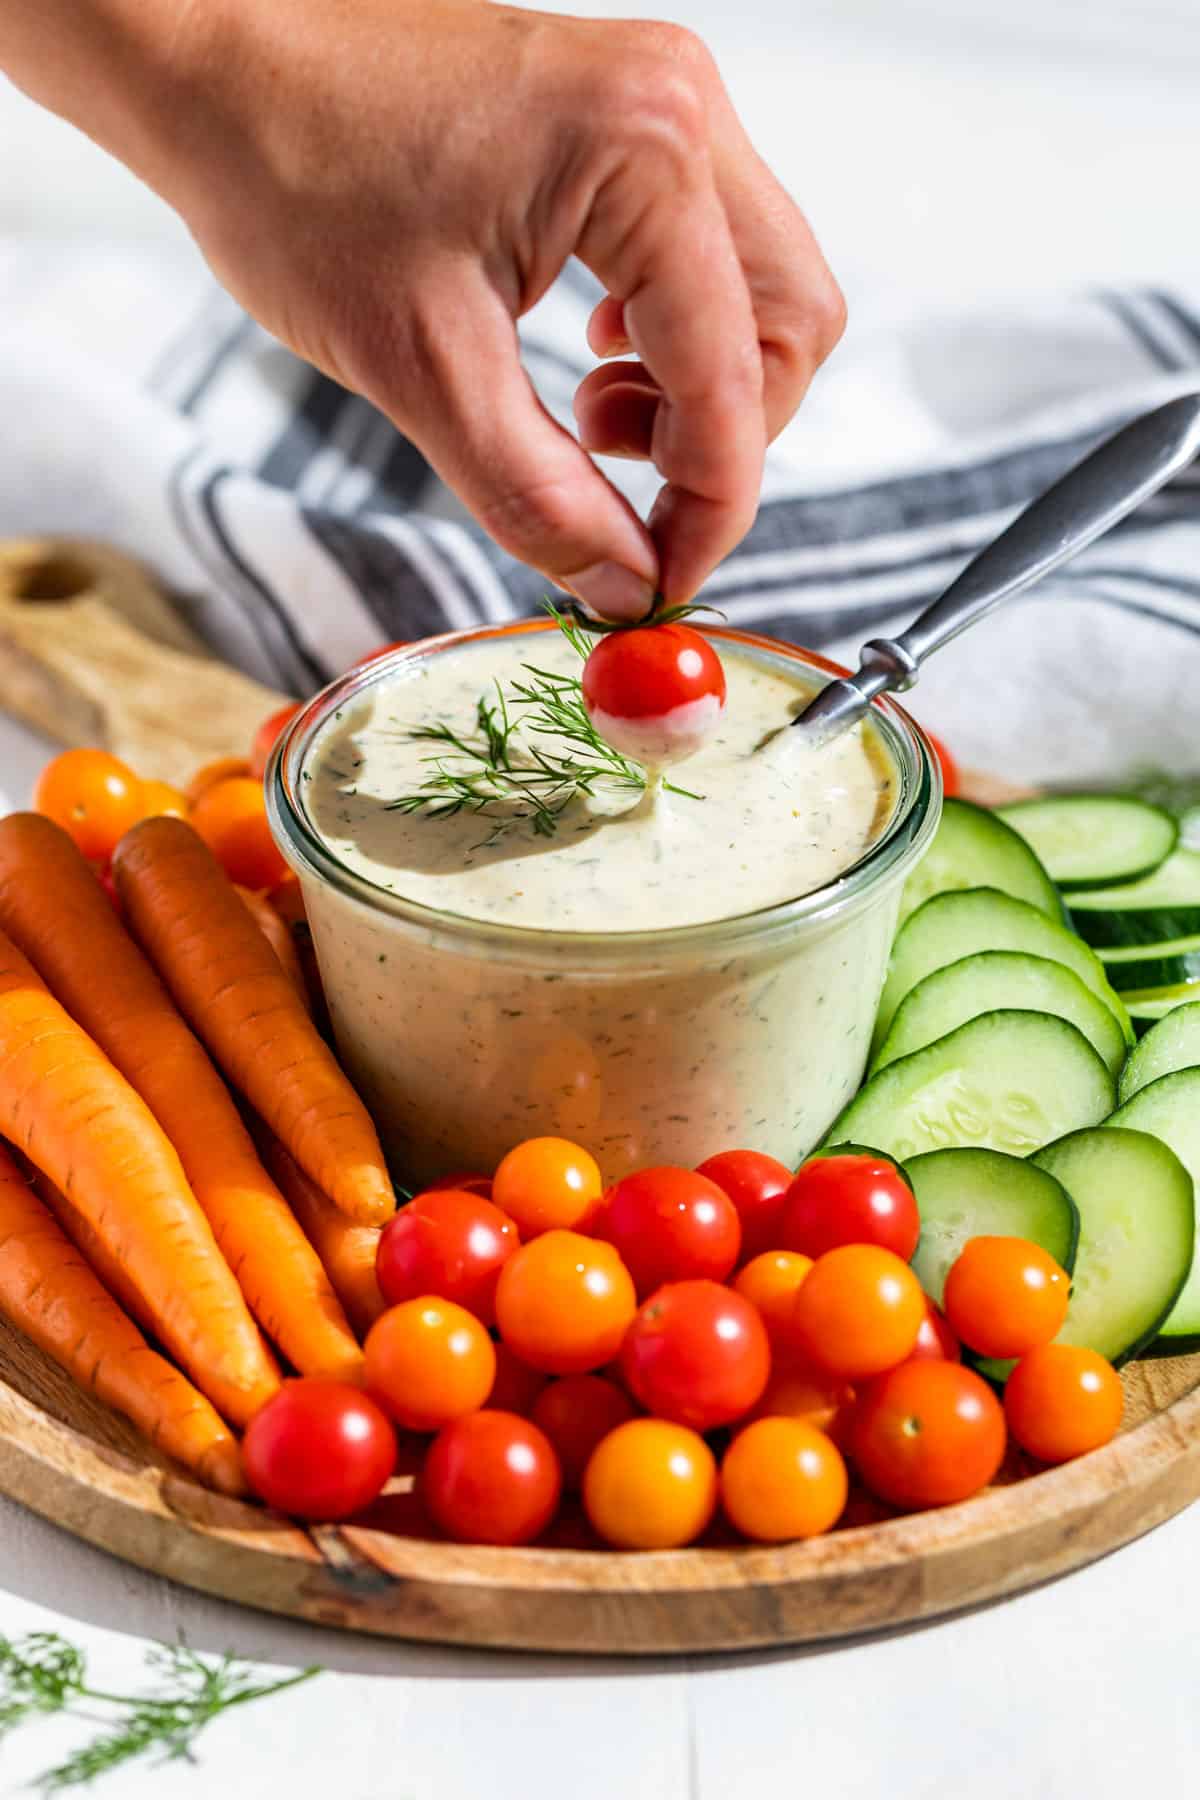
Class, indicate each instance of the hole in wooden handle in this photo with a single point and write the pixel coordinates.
(53, 577)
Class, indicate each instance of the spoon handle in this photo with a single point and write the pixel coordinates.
(1086, 502)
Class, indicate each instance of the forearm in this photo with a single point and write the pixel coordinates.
(119, 70)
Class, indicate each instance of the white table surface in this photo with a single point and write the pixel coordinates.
(945, 151)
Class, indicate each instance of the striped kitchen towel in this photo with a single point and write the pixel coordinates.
(299, 529)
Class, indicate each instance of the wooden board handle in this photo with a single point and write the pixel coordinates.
(92, 652)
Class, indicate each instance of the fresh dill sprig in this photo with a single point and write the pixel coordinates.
(483, 772)
(44, 1673)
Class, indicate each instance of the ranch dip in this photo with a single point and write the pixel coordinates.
(488, 983)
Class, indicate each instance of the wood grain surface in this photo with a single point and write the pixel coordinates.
(70, 1460)
(91, 653)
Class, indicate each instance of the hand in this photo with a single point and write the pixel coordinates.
(389, 184)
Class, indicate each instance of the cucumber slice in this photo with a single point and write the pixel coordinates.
(1135, 952)
(963, 1194)
(999, 979)
(973, 847)
(1163, 906)
(1086, 840)
(1144, 1014)
(1172, 1044)
(1005, 1081)
(951, 926)
(1169, 1109)
(1136, 1230)
(1162, 969)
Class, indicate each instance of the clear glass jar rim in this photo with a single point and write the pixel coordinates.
(892, 853)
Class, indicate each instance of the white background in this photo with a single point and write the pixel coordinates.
(945, 150)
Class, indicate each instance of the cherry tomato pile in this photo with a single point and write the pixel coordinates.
(626, 1365)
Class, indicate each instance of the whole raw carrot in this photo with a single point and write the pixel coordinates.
(51, 1295)
(78, 1120)
(279, 937)
(55, 910)
(346, 1249)
(227, 982)
(111, 1273)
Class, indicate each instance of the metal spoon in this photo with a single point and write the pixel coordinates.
(1090, 498)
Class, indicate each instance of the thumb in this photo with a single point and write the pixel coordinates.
(473, 413)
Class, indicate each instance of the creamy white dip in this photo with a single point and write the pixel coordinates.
(764, 831)
(466, 1031)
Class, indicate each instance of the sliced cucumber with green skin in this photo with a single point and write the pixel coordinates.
(993, 980)
(1136, 1228)
(1089, 840)
(1145, 1014)
(963, 1194)
(1006, 1081)
(1169, 1109)
(975, 848)
(1135, 952)
(1171, 1045)
(951, 926)
(1162, 969)
(1163, 906)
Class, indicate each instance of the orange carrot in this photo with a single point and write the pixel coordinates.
(48, 1292)
(91, 1246)
(228, 984)
(280, 939)
(52, 906)
(346, 1249)
(80, 1123)
(288, 901)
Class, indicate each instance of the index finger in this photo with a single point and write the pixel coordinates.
(687, 308)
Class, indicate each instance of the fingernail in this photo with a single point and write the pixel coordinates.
(608, 591)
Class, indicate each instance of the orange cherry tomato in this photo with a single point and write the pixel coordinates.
(796, 1390)
(427, 1362)
(770, 1282)
(491, 1478)
(650, 1485)
(547, 1184)
(928, 1434)
(564, 1303)
(516, 1386)
(858, 1311)
(264, 738)
(1062, 1400)
(1005, 1295)
(162, 801)
(575, 1413)
(225, 768)
(232, 819)
(94, 797)
(783, 1479)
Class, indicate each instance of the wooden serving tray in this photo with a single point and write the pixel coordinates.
(68, 1458)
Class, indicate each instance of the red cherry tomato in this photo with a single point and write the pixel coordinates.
(491, 1478)
(265, 736)
(854, 1199)
(516, 1386)
(318, 1450)
(451, 1243)
(655, 693)
(575, 1413)
(671, 1224)
(104, 876)
(470, 1180)
(697, 1353)
(758, 1186)
(383, 650)
(950, 778)
(928, 1434)
(935, 1340)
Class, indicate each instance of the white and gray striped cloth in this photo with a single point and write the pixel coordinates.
(299, 529)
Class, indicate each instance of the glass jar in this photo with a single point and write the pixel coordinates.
(464, 1036)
